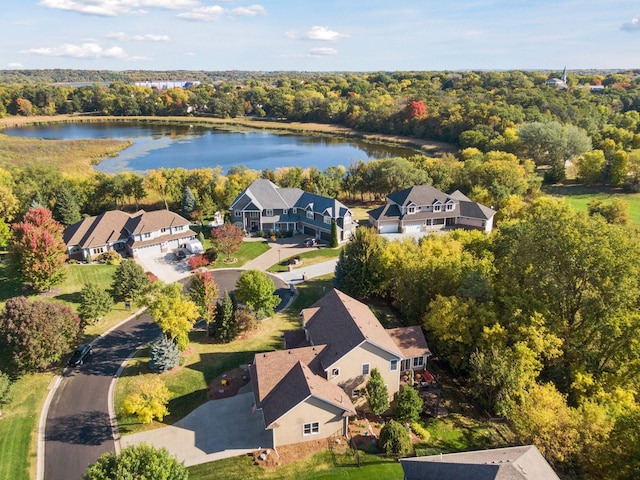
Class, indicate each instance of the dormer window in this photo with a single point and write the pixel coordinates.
(295, 210)
(437, 208)
(285, 211)
(269, 212)
(449, 207)
(411, 210)
(310, 214)
(326, 219)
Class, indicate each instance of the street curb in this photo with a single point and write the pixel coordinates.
(42, 422)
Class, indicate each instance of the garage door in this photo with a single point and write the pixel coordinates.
(148, 251)
(417, 228)
(388, 228)
(308, 230)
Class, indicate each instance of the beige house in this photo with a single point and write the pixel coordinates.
(309, 390)
(136, 234)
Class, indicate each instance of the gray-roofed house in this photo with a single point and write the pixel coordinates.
(263, 206)
(511, 463)
(424, 208)
(309, 391)
(136, 234)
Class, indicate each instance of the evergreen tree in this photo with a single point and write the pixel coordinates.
(165, 355)
(358, 272)
(334, 234)
(394, 439)
(376, 393)
(189, 203)
(409, 404)
(224, 327)
(66, 209)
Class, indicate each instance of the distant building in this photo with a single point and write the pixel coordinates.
(559, 83)
(164, 85)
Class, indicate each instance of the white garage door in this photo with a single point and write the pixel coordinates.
(417, 228)
(388, 228)
(149, 251)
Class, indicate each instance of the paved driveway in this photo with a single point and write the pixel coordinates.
(167, 267)
(218, 429)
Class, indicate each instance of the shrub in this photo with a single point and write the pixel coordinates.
(395, 439)
(246, 320)
(409, 404)
(197, 261)
(211, 254)
(110, 257)
(153, 278)
(165, 355)
(137, 461)
(422, 432)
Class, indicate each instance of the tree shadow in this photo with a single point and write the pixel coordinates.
(85, 428)
(75, 297)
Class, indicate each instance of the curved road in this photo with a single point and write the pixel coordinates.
(78, 427)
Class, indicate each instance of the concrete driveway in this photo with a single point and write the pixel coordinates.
(218, 429)
(167, 267)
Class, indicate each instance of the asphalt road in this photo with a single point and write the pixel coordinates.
(78, 428)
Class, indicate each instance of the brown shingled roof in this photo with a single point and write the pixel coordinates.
(342, 323)
(410, 341)
(105, 228)
(145, 222)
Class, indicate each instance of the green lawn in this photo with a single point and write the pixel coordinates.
(308, 258)
(578, 196)
(321, 465)
(248, 251)
(18, 427)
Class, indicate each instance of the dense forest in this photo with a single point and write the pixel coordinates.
(540, 320)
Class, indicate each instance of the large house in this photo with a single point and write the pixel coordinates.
(136, 234)
(424, 208)
(511, 463)
(263, 206)
(308, 390)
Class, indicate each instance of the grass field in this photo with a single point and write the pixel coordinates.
(248, 251)
(18, 427)
(308, 258)
(579, 196)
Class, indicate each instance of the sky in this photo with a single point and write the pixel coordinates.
(319, 35)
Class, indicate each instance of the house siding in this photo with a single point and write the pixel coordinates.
(290, 429)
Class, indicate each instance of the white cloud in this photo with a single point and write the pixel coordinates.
(632, 26)
(15, 65)
(324, 34)
(111, 8)
(148, 37)
(203, 14)
(250, 11)
(322, 52)
(190, 54)
(86, 50)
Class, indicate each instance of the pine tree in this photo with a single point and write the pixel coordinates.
(165, 355)
(66, 209)
(189, 203)
(224, 326)
(376, 393)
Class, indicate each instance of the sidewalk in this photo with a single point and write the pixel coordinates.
(312, 271)
(279, 250)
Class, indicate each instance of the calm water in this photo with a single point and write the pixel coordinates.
(172, 146)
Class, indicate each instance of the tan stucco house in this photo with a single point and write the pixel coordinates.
(263, 206)
(424, 208)
(308, 390)
(135, 234)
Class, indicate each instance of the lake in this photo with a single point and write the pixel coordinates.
(171, 146)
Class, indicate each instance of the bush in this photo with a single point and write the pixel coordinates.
(197, 261)
(153, 278)
(246, 320)
(165, 355)
(110, 257)
(211, 254)
(409, 404)
(137, 461)
(422, 432)
(395, 439)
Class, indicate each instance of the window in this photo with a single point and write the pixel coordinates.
(295, 210)
(237, 213)
(411, 210)
(418, 361)
(285, 211)
(179, 228)
(310, 214)
(326, 219)
(310, 428)
(437, 208)
(335, 372)
(355, 393)
(269, 212)
(97, 250)
(163, 230)
(365, 369)
(450, 207)
(393, 364)
(254, 214)
(146, 235)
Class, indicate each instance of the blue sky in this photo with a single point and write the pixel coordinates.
(319, 35)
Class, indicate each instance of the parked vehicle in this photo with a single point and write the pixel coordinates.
(79, 355)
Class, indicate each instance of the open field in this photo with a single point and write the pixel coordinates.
(578, 196)
(308, 258)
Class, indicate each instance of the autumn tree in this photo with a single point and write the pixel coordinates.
(137, 461)
(415, 109)
(37, 250)
(95, 303)
(148, 399)
(203, 290)
(617, 212)
(35, 334)
(376, 393)
(174, 312)
(130, 282)
(227, 239)
(256, 290)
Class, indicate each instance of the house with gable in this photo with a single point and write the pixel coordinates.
(424, 208)
(308, 390)
(135, 234)
(263, 206)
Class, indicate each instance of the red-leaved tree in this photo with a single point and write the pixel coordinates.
(35, 334)
(227, 238)
(416, 109)
(37, 250)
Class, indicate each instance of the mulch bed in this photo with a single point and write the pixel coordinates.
(228, 384)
